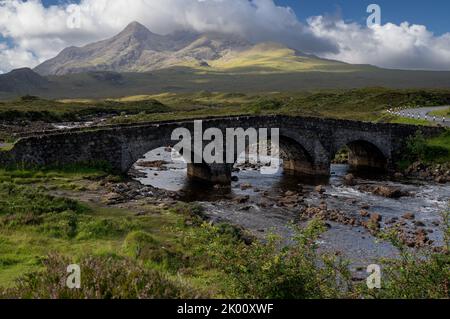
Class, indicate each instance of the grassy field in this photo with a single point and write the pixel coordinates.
(445, 113)
(274, 58)
(36, 109)
(367, 104)
(233, 76)
(441, 145)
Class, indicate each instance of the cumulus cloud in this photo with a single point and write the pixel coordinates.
(404, 46)
(37, 33)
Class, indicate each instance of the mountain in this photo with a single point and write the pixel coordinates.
(137, 49)
(137, 61)
(22, 81)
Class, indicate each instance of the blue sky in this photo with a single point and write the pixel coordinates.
(435, 14)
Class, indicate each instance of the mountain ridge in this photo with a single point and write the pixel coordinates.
(137, 49)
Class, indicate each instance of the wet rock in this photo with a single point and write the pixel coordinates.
(421, 239)
(264, 203)
(438, 173)
(290, 200)
(365, 206)
(241, 199)
(399, 175)
(320, 189)
(389, 192)
(384, 191)
(160, 165)
(392, 221)
(235, 179)
(409, 216)
(289, 193)
(441, 180)
(329, 215)
(376, 218)
(364, 213)
(136, 173)
(246, 186)
(349, 180)
(419, 224)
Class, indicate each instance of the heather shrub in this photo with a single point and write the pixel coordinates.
(103, 277)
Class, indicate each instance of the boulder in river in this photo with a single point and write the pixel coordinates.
(320, 189)
(376, 218)
(349, 180)
(241, 199)
(364, 213)
(385, 191)
(409, 216)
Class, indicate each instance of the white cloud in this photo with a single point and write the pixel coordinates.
(405, 46)
(38, 33)
(13, 58)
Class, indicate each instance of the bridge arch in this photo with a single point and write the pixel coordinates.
(364, 154)
(298, 155)
(296, 158)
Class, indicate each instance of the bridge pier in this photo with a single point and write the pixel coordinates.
(302, 168)
(222, 173)
(214, 173)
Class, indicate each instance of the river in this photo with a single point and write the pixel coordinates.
(261, 214)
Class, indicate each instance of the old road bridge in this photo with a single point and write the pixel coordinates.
(307, 145)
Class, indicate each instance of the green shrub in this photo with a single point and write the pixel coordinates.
(63, 225)
(16, 200)
(265, 104)
(264, 270)
(104, 228)
(418, 148)
(107, 277)
(416, 275)
(143, 246)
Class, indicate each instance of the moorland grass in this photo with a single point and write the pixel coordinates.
(442, 113)
(37, 109)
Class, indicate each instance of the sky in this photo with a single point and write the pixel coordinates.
(432, 13)
(411, 35)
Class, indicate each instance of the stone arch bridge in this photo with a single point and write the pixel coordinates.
(308, 145)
